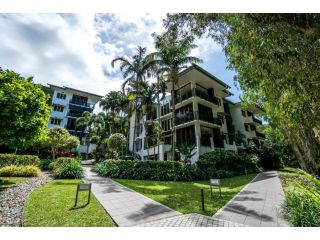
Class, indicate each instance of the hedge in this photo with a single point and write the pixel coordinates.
(18, 160)
(219, 164)
(19, 171)
(222, 163)
(146, 170)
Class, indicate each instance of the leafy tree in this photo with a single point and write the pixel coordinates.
(72, 143)
(171, 56)
(59, 138)
(116, 143)
(276, 57)
(24, 110)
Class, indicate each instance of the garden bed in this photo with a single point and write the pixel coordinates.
(302, 204)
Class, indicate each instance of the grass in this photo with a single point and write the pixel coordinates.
(302, 204)
(51, 206)
(185, 197)
(6, 182)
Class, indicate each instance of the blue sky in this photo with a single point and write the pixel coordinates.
(75, 50)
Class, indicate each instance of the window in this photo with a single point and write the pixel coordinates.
(243, 113)
(138, 144)
(221, 119)
(219, 101)
(61, 95)
(55, 121)
(58, 108)
(247, 127)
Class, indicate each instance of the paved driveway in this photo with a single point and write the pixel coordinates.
(125, 206)
(258, 204)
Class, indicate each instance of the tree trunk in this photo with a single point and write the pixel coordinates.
(53, 153)
(159, 119)
(173, 120)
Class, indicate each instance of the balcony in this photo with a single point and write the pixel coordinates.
(197, 93)
(81, 103)
(205, 141)
(73, 114)
(260, 135)
(185, 118)
(257, 120)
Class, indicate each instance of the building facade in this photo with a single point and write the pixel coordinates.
(68, 104)
(205, 119)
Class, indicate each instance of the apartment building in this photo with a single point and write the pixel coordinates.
(204, 119)
(68, 104)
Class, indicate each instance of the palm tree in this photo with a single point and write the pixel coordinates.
(147, 95)
(171, 57)
(134, 71)
(87, 122)
(111, 103)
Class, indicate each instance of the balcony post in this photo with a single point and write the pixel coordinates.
(211, 142)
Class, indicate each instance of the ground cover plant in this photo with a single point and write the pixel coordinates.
(184, 197)
(18, 160)
(51, 206)
(20, 171)
(302, 205)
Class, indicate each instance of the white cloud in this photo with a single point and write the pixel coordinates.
(76, 50)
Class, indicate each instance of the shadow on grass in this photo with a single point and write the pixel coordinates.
(78, 207)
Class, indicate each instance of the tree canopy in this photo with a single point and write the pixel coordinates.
(276, 59)
(24, 111)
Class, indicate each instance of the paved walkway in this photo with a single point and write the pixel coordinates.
(125, 206)
(258, 204)
(190, 220)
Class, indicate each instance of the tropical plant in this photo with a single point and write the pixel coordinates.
(276, 60)
(66, 168)
(134, 72)
(171, 57)
(186, 152)
(24, 110)
(86, 122)
(18, 160)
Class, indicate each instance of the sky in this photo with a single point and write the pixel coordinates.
(76, 50)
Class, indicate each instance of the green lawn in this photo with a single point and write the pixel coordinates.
(51, 206)
(10, 181)
(184, 197)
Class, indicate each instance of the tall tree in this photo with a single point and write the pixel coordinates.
(112, 103)
(276, 57)
(171, 57)
(87, 122)
(24, 111)
(134, 71)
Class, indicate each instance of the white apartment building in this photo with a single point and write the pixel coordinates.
(204, 118)
(68, 104)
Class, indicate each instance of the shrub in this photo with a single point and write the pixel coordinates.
(221, 163)
(20, 171)
(66, 168)
(64, 153)
(44, 164)
(301, 209)
(18, 160)
(146, 170)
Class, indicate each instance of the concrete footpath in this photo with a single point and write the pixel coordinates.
(258, 204)
(125, 206)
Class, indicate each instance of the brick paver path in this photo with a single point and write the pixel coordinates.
(125, 206)
(258, 204)
(190, 220)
